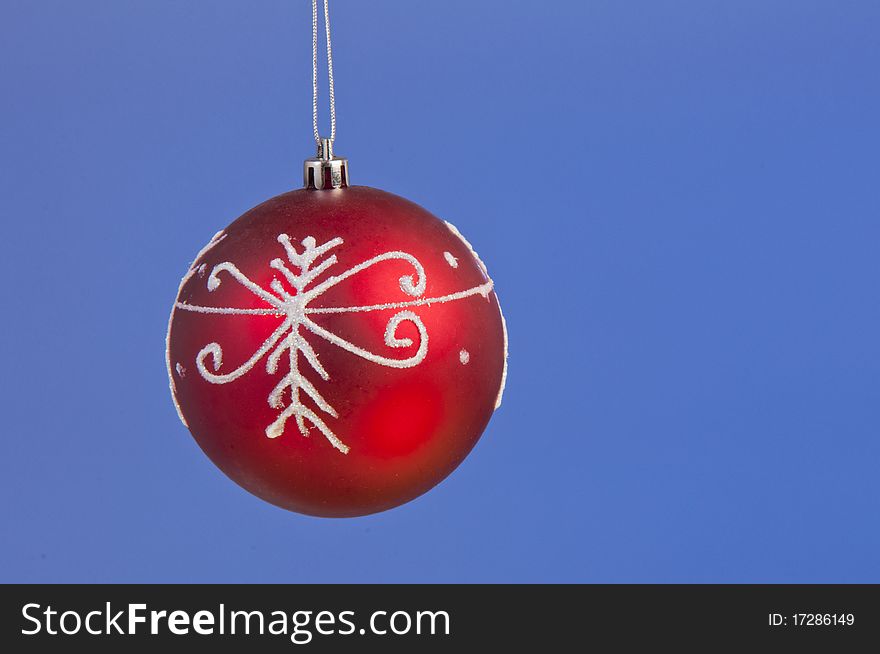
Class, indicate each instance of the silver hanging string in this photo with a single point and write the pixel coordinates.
(325, 170)
(315, 73)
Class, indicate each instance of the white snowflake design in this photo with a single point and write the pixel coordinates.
(289, 337)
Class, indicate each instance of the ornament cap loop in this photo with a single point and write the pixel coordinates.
(325, 171)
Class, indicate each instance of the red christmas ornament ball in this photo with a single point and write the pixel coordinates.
(337, 352)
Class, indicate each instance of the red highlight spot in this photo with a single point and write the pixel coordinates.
(402, 419)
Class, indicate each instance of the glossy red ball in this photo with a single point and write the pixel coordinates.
(337, 352)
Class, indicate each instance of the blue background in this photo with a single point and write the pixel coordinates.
(678, 202)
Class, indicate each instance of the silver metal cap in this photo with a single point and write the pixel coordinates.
(325, 171)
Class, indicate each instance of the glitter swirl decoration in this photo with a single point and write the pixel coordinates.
(290, 301)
